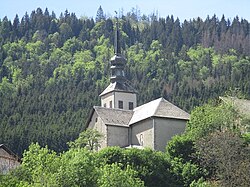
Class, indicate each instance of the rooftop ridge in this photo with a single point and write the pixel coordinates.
(118, 87)
(150, 102)
(118, 109)
(156, 108)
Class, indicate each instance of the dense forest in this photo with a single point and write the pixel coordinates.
(52, 69)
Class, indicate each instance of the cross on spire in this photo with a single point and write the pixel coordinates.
(117, 46)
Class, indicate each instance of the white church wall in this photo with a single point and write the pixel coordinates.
(106, 99)
(96, 123)
(117, 136)
(165, 129)
(113, 98)
(125, 98)
(142, 133)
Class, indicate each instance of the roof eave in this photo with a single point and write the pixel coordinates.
(118, 125)
(10, 152)
(89, 117)
(155, 116)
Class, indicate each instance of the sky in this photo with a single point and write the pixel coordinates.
(183, 9)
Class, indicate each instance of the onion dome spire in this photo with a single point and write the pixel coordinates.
(117, 61)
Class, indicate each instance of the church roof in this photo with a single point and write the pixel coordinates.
(118, 86)
(112, 116)
(158, 108)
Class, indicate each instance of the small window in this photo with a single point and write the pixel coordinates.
(141, 139)
(104, 105)
(110, 104)
(130, 105)
(120, 104)
(96, 119)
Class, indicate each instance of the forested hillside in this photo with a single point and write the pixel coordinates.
(52, 69)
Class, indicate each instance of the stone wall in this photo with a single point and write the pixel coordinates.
(117, 136)
(142, 133)
(96, 123)
(165, 129)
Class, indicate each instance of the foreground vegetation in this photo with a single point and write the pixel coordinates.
(213, 151)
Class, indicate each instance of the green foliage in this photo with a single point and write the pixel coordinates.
(152, 167)
(9, 180)
(42, 167)
(78, 167)
(113, 176)
(180, 147)
(180, 152)
(83, 60)
(211, 148)
(6, 88)
(246, 138)
(226, 157)
(201, 183)
(100, 14)
(82, 167)
(215, 132)
(210, 118)
(65, 31)
(185, 172)
(37, 169)
(39, 165)
(89, 138)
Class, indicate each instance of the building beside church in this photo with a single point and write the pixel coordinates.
(242, 107)
(124, 124)
(8, 160)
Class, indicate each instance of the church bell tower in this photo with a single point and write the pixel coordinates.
(119, 94)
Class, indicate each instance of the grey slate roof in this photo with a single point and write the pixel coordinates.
(111, 116)
(158, 108)
(118, 86)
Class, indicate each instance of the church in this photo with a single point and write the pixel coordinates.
(122, 123)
